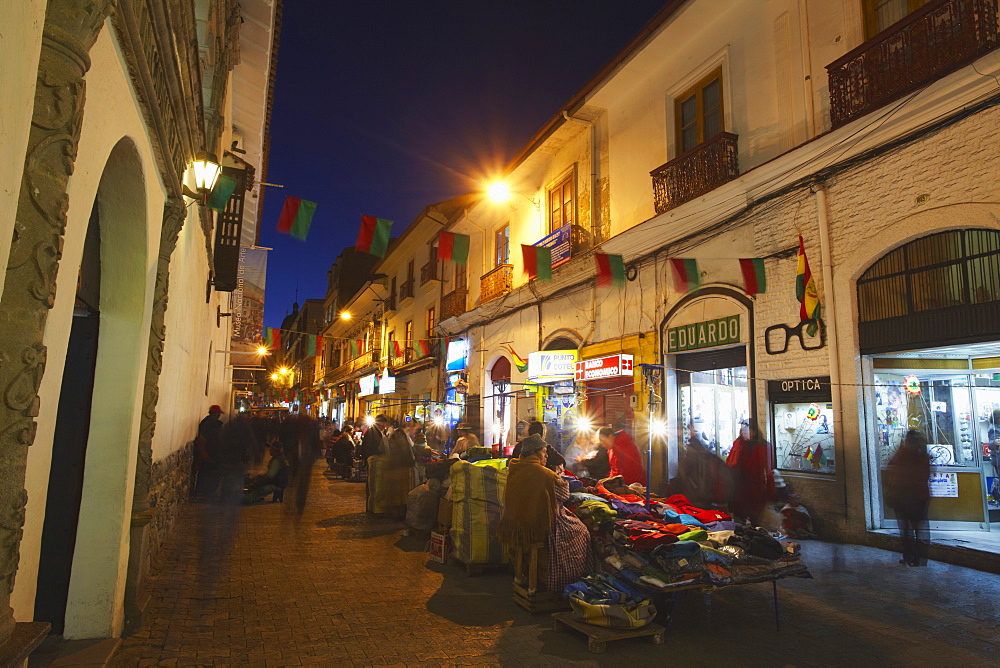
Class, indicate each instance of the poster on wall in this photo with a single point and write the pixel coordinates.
(248, 305)
(943, 485)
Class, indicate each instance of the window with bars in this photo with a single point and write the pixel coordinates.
(698, 112)
(957, 268)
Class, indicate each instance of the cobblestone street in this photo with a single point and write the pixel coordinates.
(259, 586)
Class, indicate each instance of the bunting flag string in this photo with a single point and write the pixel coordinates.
(373, 237)
(454, 247)
(296, 217)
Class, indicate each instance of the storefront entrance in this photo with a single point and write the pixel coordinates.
(929, 328)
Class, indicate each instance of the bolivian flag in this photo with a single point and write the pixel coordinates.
(805, 290)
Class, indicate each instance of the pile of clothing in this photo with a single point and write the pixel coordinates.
(674, 543)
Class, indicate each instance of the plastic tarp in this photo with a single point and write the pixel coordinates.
(477, 499)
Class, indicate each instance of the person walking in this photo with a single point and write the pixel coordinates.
(753, 477)
(908, 495)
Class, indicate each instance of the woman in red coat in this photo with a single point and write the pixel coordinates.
(753, 478)
(624, 457)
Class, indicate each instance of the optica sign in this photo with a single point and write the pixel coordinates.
(604, 367)
(547, 365)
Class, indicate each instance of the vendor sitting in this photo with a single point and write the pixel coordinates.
(534, 517)
(273, 481)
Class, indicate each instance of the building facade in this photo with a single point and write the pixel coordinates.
(109, 108)
(722, 135)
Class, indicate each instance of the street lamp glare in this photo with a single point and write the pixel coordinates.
(498, 191)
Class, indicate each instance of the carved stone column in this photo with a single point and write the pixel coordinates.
(71, 28)
(144, 537)
(173, 219)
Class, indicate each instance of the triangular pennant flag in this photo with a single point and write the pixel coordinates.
(454, 247)
(805, 290)
(754, 278)
(223, 190)
(686, 276)
(610, 270)
(296, 217)
(537, 262)
(373, 237)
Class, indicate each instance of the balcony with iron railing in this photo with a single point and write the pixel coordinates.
(406, 290)
(696, 172)
(496, 283)
(429, 272)
(453, 303)
(938, 38)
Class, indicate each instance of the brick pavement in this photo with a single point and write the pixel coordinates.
(260, 586)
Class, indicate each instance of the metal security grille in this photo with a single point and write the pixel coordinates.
(941, 288)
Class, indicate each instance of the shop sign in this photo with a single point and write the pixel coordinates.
(387, 383)
(816, 388)
(367, 384)
(458, 355)
(604, 367)
(943, 484)
(548, 365)
(705, 334)
(559, 242)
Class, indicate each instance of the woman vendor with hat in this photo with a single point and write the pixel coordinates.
(534, 517)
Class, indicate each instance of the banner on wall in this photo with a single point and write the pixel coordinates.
(248, 306)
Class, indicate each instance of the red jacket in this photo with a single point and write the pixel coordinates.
(626, 460)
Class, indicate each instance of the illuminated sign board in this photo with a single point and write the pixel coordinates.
(367, 384)
(604, 367)
(458, 355)
(548, 365)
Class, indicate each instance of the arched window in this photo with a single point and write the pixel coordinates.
(944, 287)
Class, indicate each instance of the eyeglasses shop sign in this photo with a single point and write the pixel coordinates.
(552, 365)
(705, 334)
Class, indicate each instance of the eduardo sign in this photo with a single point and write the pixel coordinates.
(706, 334)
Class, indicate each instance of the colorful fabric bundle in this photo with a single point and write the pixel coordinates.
(476, 495)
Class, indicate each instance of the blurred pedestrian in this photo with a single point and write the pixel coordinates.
(753, 480)
(907, 493)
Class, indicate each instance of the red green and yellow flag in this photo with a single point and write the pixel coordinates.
(610, 270)
(314, 344)
(754, 278)
(537, 262)
(373, 237)
(454, 247)
(686, 275)
(296, 217)
(272, 338)
(519, 362)
(805, 290)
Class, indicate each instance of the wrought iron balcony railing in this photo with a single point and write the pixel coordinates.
(453, 303)
(406, 290)
(702, 169)
(496, 282)
(938, 38)
(429, 272)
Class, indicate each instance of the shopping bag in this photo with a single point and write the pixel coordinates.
(612, 615)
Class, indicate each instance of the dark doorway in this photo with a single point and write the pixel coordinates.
(69, 447)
